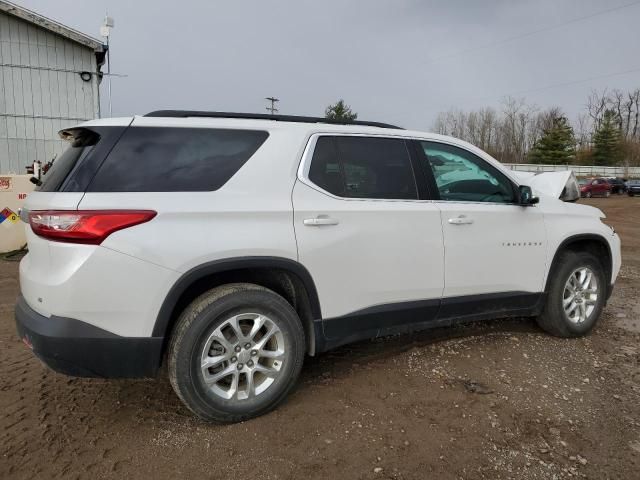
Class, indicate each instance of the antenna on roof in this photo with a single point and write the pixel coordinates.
(105, 31)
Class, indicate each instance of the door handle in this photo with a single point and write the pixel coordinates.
(320, 221)
(461, 220)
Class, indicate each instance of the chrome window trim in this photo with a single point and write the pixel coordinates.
(307, 156)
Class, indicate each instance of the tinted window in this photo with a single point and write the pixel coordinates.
(462, 176)
(363, 167)
(81, 143)
(154, 159)
(325, 170)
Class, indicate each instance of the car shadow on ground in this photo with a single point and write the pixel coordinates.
(143, 395)
(341, 359)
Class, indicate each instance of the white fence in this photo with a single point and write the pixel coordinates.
(579, 170)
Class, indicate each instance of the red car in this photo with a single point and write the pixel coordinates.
(591, 187)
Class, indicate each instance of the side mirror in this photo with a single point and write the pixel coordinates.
(526, 196)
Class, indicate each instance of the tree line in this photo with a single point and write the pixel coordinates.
(606, 133)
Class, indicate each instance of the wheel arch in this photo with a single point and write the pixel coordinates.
(286, 277)
(590, 242)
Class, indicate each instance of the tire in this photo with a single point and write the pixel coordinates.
(588, 194)
(554, 319)
(630, 194)
(209, 327)
(607, 194)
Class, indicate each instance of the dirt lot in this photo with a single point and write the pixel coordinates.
(494, 400)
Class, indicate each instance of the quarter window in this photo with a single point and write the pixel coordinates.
(363, 167)
(462, 176)
(155, 159)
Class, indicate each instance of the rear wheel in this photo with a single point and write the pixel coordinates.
(588, 194)
(607, 193)
(236, 352)
(576, 295)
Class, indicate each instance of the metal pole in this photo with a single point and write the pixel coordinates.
(272, 108)
(109, 76)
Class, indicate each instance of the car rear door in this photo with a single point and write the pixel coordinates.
(597, 187)
(372, 245)
(495, 249)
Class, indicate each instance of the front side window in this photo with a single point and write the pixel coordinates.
(363, 167)
(464, 177)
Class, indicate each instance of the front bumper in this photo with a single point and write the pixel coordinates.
(76, 348)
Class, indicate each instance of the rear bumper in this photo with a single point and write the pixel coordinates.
(79, 349)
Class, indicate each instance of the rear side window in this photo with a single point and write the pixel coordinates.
(158, 159)
(81, 143)
(325, 170)
(363, 167)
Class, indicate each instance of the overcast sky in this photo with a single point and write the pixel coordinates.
(398, 61)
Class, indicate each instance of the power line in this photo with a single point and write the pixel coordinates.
(563, 84)
(532, 32)
(272, 108)
(546, 87)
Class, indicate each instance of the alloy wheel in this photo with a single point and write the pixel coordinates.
(243, 356)
(580, 295)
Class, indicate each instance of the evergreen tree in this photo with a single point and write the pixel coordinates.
(340, 112)
(606, 141)
(557, 145)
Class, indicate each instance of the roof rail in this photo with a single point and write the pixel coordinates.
(262, 116)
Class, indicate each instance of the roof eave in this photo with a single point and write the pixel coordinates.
(50, 25)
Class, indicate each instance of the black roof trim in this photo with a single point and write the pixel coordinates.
(262, 116)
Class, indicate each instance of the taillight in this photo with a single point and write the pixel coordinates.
(84, 226)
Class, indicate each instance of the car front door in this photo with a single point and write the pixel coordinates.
(494, 248)
(372, 246)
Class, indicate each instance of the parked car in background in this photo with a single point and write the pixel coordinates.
(592, 187)
(617, 185)
(633, 187)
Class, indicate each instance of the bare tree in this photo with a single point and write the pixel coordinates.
(583, 131)
(596, 106)
(510, 133)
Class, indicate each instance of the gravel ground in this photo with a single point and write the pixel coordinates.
(492, 400)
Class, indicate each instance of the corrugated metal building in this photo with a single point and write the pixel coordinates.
(49, 79)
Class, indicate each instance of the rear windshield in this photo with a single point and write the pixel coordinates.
(159, 159)
(81, 142)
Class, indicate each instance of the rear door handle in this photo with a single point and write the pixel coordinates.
(320, 221)
(461, 220)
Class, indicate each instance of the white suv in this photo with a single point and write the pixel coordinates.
(228, 246)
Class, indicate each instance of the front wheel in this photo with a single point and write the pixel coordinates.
(607, 194)
(235, 353)
(588, 194)
(576, 295)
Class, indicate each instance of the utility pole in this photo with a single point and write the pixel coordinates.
(272, 108)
